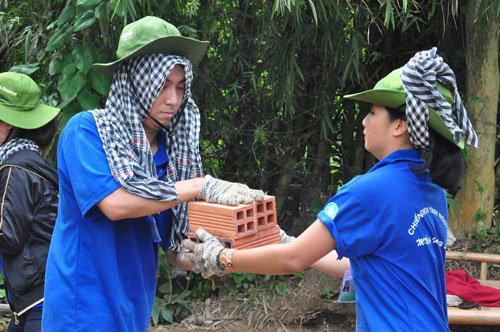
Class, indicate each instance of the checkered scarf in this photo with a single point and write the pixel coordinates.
(136, 84)
(16, 144)
(418, 78)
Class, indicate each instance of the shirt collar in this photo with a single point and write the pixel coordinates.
(410, 155)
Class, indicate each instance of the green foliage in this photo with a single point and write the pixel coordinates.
(248, 281)
(487, 238)
(171, 308)
(3, 293)
(327, 293)
(244, 282)
(479, 215)
(454, 206)
(270, 87)
(175, 293)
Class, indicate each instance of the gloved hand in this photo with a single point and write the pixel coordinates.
(285, 238)
(230, 193)
(204, 255)
(184, 256)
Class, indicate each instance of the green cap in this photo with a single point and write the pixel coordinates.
(151, 35)
(20, 102)
(389, 92)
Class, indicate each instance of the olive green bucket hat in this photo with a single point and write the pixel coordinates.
(151, 35)
(20, 102)
(389, 92)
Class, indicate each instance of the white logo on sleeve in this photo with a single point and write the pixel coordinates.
(331, 210)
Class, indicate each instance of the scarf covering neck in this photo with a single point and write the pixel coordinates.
(136, 85)
(14, 145)
(418, 78)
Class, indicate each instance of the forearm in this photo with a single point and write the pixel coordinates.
(121, 204)
(274, 259)
(331, 265)
(314, 243)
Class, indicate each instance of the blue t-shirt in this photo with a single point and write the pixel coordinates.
(391, 223)
(101, 274)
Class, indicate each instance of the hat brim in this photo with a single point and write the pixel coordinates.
(384, 97)
(176, 45)
(396, 99)
(35, 118)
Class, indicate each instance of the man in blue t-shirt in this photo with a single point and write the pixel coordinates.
(126, 173)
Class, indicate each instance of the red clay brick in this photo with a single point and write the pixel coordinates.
(268, 236)
(241, 226)
(223, 220)
(266, 213)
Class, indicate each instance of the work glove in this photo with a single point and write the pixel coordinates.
(185, 256)
(204, 255)
(285, 238)
(230, 193)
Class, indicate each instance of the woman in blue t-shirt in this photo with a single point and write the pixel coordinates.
(392, 221)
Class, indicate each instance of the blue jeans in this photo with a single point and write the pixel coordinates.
(30, 321)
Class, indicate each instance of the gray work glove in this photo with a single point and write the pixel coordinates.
(285, 238)
(204, 255)
(230, 193)
(185, 256)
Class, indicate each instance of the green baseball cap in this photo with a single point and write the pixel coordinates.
(151, 35)
(20, 102)
(389, 92)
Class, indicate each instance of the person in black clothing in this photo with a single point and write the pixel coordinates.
(28, 194)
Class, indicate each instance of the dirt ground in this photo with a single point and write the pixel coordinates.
(302, 308)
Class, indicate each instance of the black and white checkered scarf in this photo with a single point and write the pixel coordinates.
(419, 77)
(14, 145)
(136, 84)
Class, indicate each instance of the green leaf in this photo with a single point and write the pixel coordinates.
(313, 8)
(167, 315)
(57, 64)
(121, 8)
(210, 25)
(87, 3)
(86, 20)
(69, 110)
(58, 39)
(155, 315)
(40, 55)
(67, 13)
(70, 83)
(27, 43)
(67, 72)
(99, 82)
(281, 288)
(165, 288)
(88, 100)
(84, 57)
(27, 69)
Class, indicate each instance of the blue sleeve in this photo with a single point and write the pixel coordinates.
(350, 225)
(86, 163)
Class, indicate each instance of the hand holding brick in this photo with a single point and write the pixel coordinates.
(230, 193)
(204, 255)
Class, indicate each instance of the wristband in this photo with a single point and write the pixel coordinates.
(226, 259)
(218, 260)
